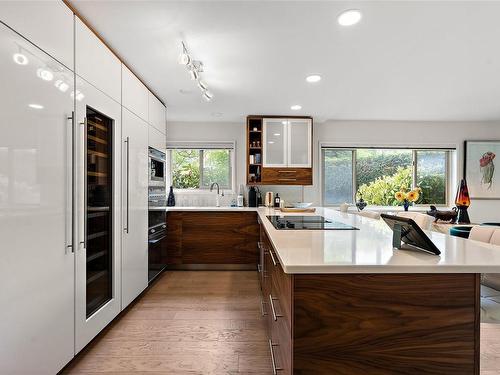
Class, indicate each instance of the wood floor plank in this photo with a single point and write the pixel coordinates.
(203, 323)
(189, 322)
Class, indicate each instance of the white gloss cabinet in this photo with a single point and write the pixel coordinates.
(95, 63)
(98, 280)
(36, 260)
(47, 24)
(134, 94)
(157, 114)
(157, 139)
(287, 142)
(135, 180)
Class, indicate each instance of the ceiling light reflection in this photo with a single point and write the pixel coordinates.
(20, 59)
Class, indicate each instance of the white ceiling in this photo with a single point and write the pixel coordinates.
(405, 60)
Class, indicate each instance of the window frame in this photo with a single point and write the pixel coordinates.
(448, 174)
(200, 148)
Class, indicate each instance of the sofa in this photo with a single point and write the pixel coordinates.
(490, 282)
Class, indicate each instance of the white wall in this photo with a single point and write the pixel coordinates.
(355, 133)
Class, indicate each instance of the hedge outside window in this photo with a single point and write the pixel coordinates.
(377, 174)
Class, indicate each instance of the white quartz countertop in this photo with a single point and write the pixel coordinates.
(369, 249)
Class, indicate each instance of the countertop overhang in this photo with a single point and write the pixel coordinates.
(367, 250)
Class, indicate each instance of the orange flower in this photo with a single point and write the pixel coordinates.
(400, 196)
(413, 195)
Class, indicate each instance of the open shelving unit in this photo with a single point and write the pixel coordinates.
(254, 147)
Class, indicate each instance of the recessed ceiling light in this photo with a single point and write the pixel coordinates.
(296, 107)
(216, 114)
(20, 59)
(349, 17)
(271, 142)
(35, 106)
(276, 134)
(313, 78)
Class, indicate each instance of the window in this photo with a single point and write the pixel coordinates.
(377, 174)
(198, 168)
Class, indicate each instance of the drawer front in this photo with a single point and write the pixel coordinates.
(281, 345)
(281, 295)
(287, 176)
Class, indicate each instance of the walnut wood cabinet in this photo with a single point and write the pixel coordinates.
(212, 238)
(369, 323)
(279, 150)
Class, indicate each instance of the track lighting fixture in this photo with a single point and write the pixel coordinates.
(194, 67)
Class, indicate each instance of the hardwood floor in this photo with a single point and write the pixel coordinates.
(196, 322)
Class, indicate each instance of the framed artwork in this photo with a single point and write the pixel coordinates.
(482, 178)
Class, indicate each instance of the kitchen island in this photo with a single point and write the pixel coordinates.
(346, 302)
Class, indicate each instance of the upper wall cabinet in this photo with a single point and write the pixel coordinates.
(47, 24)
(157, 139)
(134, 94)
(96, 63)
(157, 114)
(279, 150)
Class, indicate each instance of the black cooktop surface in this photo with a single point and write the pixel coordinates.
(293, 222)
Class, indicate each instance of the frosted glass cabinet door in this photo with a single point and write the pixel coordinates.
(299, 143)
(275, 142)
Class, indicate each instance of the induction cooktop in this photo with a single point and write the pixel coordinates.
(293, 222)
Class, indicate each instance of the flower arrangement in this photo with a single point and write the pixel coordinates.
(408, 197)
(487, 168)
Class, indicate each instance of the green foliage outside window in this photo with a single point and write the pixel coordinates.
(186, 169)
(379, 174)
(194, 169)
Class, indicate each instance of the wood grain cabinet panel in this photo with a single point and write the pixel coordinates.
(213, 238)
(287, 176)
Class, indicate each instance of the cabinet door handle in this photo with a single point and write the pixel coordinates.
(272, 258)
(85, 181)
(287, 179)
(287, 171)
(127, 178)
(271, 302)
(73, 181)
(273, 361)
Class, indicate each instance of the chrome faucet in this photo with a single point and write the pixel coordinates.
(217, 201)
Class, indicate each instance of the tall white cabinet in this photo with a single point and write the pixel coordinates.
(98, 257)
(36, 252)
(76, 126)
(135, 207)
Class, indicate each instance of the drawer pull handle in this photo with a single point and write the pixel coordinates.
(287, 179)
(275, 316)
(287, 171)
(259, 244)
(259, 268)
(273, 362)
(262, 308)
(272, 258)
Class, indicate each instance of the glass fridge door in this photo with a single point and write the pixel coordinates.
(99, 143)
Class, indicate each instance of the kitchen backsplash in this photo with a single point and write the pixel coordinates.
(208, 199)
